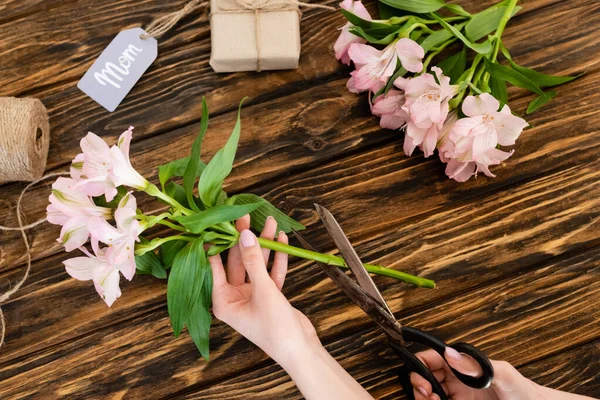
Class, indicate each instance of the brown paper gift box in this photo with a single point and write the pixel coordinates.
(246, 39)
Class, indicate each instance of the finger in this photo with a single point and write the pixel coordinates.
(280, 263)
(236, 274)
(462, 362)
(268, 233)
(243, 223)
(252, 258)
(218, 272)
(431, 359)
(421, 387)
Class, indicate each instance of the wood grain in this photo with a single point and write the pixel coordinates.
(516, 257)
(538, 313)
(442, 246)
(271, 144)
(508, 320)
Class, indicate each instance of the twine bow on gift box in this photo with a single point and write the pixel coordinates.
(256, 7)
(163, 24)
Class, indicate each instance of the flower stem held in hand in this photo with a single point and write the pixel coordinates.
(339, 262)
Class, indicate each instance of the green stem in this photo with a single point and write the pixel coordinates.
(456, 101)
(153, 190)
(172, 225)
(339, 262)
(437, 51)
(142, 249)
(503, 21)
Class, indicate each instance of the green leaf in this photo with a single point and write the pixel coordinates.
(200, 318)
(481, 48)
(455, 65)
(191, 172)
(540, 101)
(150, 264)
(540, 79)
(385, 11)
(185, 284)
(505, 73)
(363, 23)
(199, 328)
(458, 10)
(266, 209)
(438, 37)
(486, 22)
(416, 6)
(499, 91)
(177, 192)
(197, 223)
(360, 32)
(211, 180)
(172, 169)
(169, 250)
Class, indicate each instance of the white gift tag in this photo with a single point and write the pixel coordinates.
(119, 67)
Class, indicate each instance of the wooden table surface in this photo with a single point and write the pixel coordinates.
(516, 258)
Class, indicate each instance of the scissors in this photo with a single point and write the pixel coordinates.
(366, 295)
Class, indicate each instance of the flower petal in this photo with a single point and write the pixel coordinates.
(483, 104)
(460, 171)
(74, 233)
(82, 268)
(410, 54)
(107, 286)
(509, 127)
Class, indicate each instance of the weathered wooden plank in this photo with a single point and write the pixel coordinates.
(304, 140)
(462, 248)
(574, 370)
(520, 319)
(182, 75)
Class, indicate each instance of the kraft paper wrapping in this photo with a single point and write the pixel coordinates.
(24, 139)
(239, 36)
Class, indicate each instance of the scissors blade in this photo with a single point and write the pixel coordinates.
(349, 255)
(368, 304)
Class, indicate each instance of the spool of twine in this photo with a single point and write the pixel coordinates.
(24, 139)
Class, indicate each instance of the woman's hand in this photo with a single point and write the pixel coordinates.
(253, 304)
(259, 311)
(508, 383)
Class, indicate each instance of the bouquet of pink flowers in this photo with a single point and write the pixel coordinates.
(457, 107)
(199, 214)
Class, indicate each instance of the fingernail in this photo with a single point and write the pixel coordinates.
(453, 354)
(247, 238)
(423, 391)
(268, 219)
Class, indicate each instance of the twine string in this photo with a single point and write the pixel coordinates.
(163, 24)
(258, 6)
(22, 228)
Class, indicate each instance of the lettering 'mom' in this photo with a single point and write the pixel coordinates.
(112, 72)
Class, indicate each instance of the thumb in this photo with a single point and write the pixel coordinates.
(252, 257)
(462, 362)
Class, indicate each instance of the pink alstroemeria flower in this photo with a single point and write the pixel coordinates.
(444, 144)
(475, 138)
(122, 173)
(121, 240)
(97, 268)
(427, 105)
(92, 167)
(346, 38)
(389, 108)
(72, 209)
(374, 67)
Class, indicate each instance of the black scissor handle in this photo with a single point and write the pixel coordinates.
(481, 382)
(413, 364)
